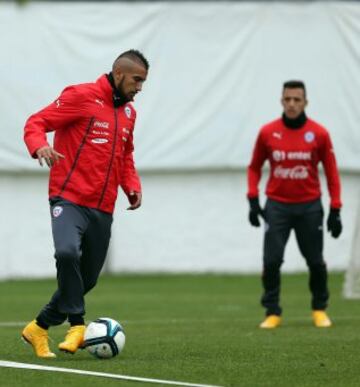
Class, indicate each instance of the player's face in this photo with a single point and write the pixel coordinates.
(129, 83)
(294, 102)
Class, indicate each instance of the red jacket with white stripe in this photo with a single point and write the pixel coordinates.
(96, 140)
(294, 155)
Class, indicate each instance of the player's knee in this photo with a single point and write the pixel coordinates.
(272, 264)
(88, 285)
(67, 253)
(271, 270)
(316, 264)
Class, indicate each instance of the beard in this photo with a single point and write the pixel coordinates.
(119, 97)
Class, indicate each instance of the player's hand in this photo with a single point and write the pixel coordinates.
(255, 212)
(48, 154)
(134, 199)
(334, 225)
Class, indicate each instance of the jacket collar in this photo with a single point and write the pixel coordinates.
(295, 123)
(106, 89)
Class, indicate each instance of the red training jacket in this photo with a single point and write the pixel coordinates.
(294, 155)
(96, 140)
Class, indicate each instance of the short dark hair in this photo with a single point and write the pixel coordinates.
(293, 84)
(134, 55)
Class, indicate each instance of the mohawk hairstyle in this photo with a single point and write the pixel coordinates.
(293, 84)
(136, 56)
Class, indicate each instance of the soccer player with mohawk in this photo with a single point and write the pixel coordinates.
(294, 145)
(91, 157)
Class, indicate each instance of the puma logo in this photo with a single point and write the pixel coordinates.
(100, 102)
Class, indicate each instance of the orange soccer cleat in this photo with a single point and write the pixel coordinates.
(74, 339)
(321, 319)
(39, 339)
(271, 321)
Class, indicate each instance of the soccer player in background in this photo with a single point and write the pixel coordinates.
(91, 157)
(294, 145)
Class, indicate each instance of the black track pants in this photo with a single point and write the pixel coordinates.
(306, 219)
(81, 239)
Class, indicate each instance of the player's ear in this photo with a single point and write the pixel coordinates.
(117, 74)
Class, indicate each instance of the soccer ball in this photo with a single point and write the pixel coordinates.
(104, 338)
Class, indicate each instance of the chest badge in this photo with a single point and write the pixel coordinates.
(127, 111)
(309, 136)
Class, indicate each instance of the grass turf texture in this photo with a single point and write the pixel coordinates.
(195, 328)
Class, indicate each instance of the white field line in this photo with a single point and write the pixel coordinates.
(14, 324)
(11, 364)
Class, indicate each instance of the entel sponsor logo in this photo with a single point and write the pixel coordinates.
(99, 124)
(99, 140)
(279, 155)
(299, 155)
(299, 172)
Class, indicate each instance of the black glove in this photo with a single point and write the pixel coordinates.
(334, 224)
(255, 212)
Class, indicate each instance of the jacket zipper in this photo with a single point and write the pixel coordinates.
(77, 155)
(111, 160)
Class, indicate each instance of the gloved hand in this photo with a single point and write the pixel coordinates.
(255, 212)
(334, 225)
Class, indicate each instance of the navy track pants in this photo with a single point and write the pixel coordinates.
(306, 219)
(81, 238)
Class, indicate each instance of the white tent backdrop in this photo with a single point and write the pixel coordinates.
(216, 75)
(216, 71)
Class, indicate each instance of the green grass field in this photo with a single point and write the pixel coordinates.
(195, 329)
